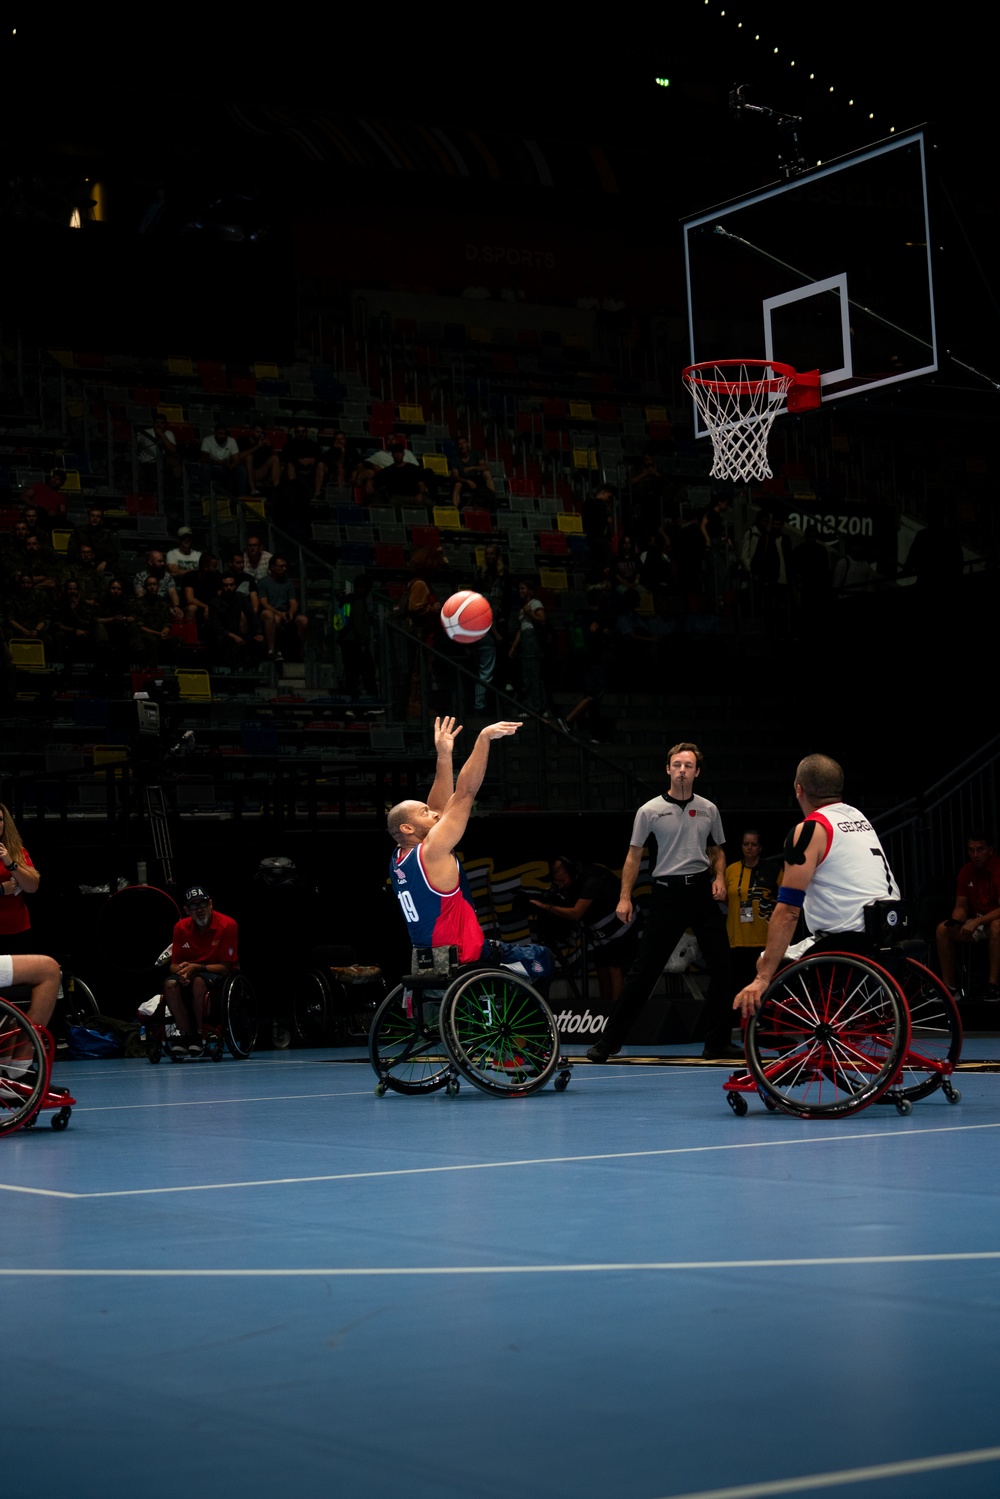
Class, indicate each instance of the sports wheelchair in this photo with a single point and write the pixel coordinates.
(448, 1021)
(230, 1021)
(25, 1088)
(836, 1032)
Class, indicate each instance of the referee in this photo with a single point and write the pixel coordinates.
(688, 881)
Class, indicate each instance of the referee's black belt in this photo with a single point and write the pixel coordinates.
(682, 879)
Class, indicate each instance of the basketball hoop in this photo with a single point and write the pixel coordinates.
(738, 400)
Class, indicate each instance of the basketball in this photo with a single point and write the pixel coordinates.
(466, 617)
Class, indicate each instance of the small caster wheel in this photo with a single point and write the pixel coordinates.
(452, 1087)
(950, 1092)
(380, 1089)
(281, 1036)
(60, 1120)
(903, 1106)
(153, 1052)
(216, 1048)
(769, 1104)
(737, 1103)
(562, 1082)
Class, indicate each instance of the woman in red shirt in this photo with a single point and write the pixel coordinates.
(18, 878)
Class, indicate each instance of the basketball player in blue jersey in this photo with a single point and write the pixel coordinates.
(835, 866)
(425, 873)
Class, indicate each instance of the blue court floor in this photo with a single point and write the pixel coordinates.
(257, 1278)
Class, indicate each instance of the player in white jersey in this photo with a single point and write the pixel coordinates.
(835, 866)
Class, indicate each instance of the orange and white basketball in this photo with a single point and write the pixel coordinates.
(466, 617)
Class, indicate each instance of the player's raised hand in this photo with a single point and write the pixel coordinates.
(500, 730)
(445, 733)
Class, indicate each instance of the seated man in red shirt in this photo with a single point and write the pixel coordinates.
(976, 917)
(204, 953)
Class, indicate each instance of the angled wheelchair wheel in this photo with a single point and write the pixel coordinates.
(24, 1069)
(405, 1046)
(78, 1002)
(830, 1036)
(238, 1005)
(935, 1033)
(501, 1035)
(315, 1020)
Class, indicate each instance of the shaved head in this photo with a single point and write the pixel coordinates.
(400, 813)
(821, 778)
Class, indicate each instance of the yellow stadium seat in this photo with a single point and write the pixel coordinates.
(63, 357)
(223, 509)
(411, 415)
(172, 413)
(266, 371)
(255, 508)
(481, 335)
(28, 655)
(193, 684)
(657, 414)
(584, 458)
(437, 463)
(72, 485)
(581, 411)
(447, 518)
(60, 541)
(178, 365)
(554, 578)
(571, 524)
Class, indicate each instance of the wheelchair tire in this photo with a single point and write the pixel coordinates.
(935, 1031)
(78, 1001)
(500, 1033)
(21, 1094)
(408, 1056)
(314, 1019)
(238, 1005)
(830, 1035)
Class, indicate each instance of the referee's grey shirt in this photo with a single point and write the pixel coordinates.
(682, 831)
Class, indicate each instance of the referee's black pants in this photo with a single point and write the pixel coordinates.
(674, 908)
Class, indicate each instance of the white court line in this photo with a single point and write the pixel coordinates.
(554, 1160)
(197, 1103)
(352, 1272)
(849, 1475)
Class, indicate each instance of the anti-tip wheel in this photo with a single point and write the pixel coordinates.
(60, 1120)
(737, 1103)
(903, 1106)
(380, 1090)
(950, 1092)
(453, 1087)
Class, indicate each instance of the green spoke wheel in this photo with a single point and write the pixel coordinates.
(404, 1044)
(501, 1035)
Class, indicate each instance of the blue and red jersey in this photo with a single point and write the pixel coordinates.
(435, 918)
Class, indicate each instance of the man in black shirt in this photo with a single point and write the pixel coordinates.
(303, 458)
(401, 480)
(235, 631)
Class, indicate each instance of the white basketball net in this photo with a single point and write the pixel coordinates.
(738, 402)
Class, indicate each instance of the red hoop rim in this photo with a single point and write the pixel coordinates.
(776, 381)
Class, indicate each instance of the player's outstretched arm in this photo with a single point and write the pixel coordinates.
(445, 733)
(781, 926)
(447, 831)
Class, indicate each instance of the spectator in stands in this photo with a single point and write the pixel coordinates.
(156, 567)
(718, 544)
(656, 568)
(400, 480)
(598, 527)
(261, 461)
(235, 634)
(280, 613)
(73, 625)
(15, 551)
(257, 559)
(38, 523)
(492, 580)
(115, 624)
(48, 496)
(625, 567)
(587, 895)
(200, 588)
(153, 445)
(762, 555)
(203, 955)
(107, 556)
(87, 575)
(356, 641)
(303, 461)
(183, 558)
(976, 914)
(648, 488)
(598, 646)
(27, 611)
(152, 613)
(529, 641)
(246, 583)
(221, 462)
(472, 481)
(343, 461)
(42, 565)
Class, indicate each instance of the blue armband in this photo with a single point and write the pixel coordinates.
(789, 897)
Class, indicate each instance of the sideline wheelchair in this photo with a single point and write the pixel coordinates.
(25, 1089)
(836, 1032)
(230, 1021)
(447, 1021)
